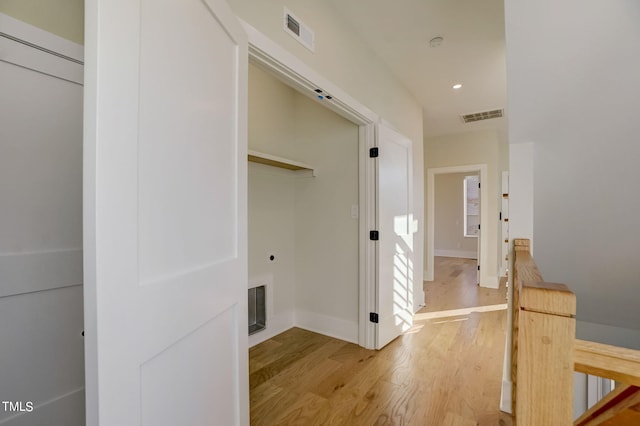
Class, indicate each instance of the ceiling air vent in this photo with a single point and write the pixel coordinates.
(298, 30)
(485, 115)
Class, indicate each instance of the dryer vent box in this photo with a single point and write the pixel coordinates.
(298, 30)
(257, 309)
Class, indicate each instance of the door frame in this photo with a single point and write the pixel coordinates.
(294, 73)
(482, 169)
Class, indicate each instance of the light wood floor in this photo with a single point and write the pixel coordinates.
(445, 371)
(455, 286)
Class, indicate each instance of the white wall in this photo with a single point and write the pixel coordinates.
(42, 355)
(326, 235)
(340, 56)
(305, 222)
(346, 61)
(272, 200)
(521, 192)
(271, 203)
(271, 212)
(573, 94)
(449, 218)
(573, 99)
(482, 147)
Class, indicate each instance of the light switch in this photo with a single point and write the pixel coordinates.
(354, 211)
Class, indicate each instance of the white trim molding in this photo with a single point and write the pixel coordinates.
(30, 47)
(505, 397)
(288, 68)
(329, 326)
(485, 279)
(40, 39)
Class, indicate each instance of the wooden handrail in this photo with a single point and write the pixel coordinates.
(612, 362)
(545, 353)
(544, 333)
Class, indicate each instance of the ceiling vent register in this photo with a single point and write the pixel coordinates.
(479, 116)
(298, 30)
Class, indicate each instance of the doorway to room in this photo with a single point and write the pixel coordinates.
(457, 216)
(384, 267)
(433, 174)
(303, 210)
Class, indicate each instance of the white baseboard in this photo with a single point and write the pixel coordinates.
(464, 254)
(490, 281)
(505, 397)
(318, 323)
(275, 325)
(329, 326)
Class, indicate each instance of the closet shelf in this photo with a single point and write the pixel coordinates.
(283, 163)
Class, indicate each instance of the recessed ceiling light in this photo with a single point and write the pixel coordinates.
(457, 86)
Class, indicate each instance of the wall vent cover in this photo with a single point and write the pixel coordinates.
(257, 309)
(298, 30)
(479, 116)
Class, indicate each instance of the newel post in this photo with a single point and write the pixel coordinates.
(545, 334)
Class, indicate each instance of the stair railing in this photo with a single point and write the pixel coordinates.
(545, 353)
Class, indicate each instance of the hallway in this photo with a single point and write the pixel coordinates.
(447, 370)
(455, 286)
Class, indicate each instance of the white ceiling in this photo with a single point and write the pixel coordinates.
(473, 53)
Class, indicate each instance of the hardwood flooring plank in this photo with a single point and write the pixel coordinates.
(262, 394)
(308, 410)
(265, 413)
(447, 370)
(351, 364)
(292, 353)
(301, 370)
(263, 354)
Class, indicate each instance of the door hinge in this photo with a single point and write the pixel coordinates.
(478, 226)
(373, 317)
(478, 267)
(500, 216)
(478, 185)
(374, 235)
(373, 152)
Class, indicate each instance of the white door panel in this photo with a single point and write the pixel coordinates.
(185, 103)
(163, 385)
(396, 228)
(165, 214)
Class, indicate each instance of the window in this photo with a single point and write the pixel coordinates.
(471, 205)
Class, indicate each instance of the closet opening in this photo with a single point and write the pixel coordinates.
(303, 211)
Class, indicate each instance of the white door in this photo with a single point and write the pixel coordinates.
(165, 214)
(396, 228)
